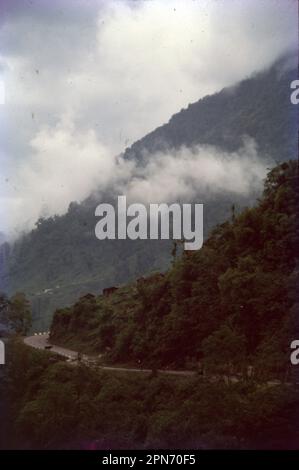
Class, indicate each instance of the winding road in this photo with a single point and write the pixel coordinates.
(41, 341)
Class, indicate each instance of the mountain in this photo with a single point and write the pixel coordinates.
(221, 316)
(258, 107)
(238, 291)
(61, 258)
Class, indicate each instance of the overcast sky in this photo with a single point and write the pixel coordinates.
(85, 78)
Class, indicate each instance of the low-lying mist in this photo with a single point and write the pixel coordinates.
(67, 166)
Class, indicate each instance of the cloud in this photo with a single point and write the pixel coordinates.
(61, 154)
(124, 67)
(64, 165)
(203, 171)
(117, 70)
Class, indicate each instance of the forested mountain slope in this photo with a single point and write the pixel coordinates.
(223, 308)
(258, 107)
(229, 304)
(61, 258)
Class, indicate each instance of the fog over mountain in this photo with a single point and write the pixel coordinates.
(84, 82)
(149, 206)
(251, 131)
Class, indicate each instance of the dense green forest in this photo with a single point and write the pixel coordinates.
(230, 304)
(61, 258)
(49, 404)
(258, 106)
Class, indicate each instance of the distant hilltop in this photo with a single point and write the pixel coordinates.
(258, 107)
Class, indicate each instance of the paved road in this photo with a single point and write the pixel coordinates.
(41, 341)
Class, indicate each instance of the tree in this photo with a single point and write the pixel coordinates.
(224, 351)
(19, 313)
(271, 360)
(3, 307)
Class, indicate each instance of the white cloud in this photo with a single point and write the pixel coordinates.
(184, 174)
(2, 92)
(64, 165)
(118, 69)
(39, 187)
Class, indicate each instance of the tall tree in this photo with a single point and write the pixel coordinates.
(19, 313)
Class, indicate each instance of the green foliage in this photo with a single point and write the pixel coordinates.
(19, 313)
(258, 107)
(229, 307)
(56, 405)
(231, 298)
(224, 352)
(62, 252)
(4, 305)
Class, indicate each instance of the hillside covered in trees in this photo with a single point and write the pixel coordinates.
(228, 305)
(50, 404)
(61, 259)
(216, 311)
(258, 107)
